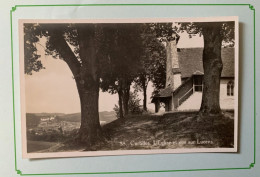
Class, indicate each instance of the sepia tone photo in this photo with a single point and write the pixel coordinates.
(133, 86)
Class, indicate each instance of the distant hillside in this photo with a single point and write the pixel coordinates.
(43, 114)
(107, 116)
(75, 117)
(33, 119)
(103, 116)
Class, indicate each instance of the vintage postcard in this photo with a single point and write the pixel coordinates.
(128, 86)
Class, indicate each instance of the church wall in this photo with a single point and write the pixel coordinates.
(168, 105)
(177, 80)
(173, 77)
(226, 102)
(169, 49)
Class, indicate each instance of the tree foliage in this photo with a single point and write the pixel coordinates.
(123, 62)
(226, 29)
(152, 63)
(134, 54)
(32, 58)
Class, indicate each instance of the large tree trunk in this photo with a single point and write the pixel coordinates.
(212, 65)
(90, 130)
(86, 76)
(145, 96)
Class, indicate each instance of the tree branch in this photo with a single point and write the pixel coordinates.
(57, 40)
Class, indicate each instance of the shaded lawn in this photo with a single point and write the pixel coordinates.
(168, 131)
(34, 146)
(171, 131)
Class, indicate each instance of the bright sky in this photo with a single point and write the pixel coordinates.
(54, 90)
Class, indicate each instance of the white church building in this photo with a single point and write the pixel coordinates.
(184, 79)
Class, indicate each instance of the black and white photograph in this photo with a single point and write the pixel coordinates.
(128, 86)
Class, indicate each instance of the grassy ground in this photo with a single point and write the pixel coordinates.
(168, 131)
(36, 146)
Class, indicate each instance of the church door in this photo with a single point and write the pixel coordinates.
(198, 83)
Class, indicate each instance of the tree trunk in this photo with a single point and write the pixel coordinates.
(120, 102)
(90, 130)
(212, 65)
(124, 85)
(145, 96)
(157, 105)
(87, 81)
(86, 74)
(126, 95)
(125, 99)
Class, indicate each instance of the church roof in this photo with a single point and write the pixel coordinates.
(167, 92)
(190, 61)
(163, 94)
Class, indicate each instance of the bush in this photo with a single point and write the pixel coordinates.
(116, 109)
(134, 106)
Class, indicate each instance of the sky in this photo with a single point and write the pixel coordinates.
(53, 90)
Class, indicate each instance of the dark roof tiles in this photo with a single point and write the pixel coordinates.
(190, 61)
(167, 92)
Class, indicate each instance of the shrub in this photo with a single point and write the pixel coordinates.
(134, 106)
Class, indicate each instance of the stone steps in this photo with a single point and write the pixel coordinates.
(192, 103)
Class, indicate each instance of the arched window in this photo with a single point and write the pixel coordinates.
(230, 88)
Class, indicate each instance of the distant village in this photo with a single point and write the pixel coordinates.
(51, 124)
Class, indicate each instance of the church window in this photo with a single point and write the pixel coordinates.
(198, 83)
(230, 88)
